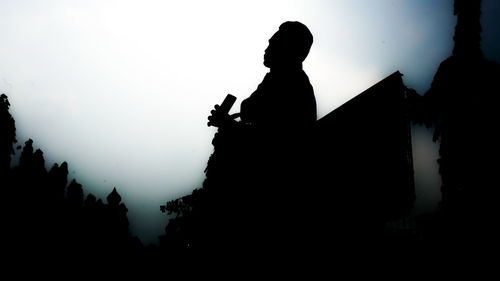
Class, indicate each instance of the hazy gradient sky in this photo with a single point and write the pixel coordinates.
(121, 89)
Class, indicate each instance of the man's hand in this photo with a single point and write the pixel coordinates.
(221, 119)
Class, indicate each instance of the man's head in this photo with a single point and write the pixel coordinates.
(289, 46)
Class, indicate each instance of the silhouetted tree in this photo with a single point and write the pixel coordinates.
(42, 214)
(8, 135)
(75, 195)
(57, 181)
(26, 159)
(462, 107)
(90, 201)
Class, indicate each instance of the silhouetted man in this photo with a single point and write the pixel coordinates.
(259, 163)
(276, 120)
(285, 98)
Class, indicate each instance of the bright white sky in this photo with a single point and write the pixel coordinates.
(121, 89)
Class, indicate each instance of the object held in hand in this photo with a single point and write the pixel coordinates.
(227, 104)
(220, 114)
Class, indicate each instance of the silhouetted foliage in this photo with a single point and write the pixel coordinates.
(75, 195)
(44, 214)
(57, 181)
(8, 135)
(462, 107)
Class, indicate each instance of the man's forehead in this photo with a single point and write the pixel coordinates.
(277, 36)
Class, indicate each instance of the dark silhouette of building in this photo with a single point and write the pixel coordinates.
(364, 161)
